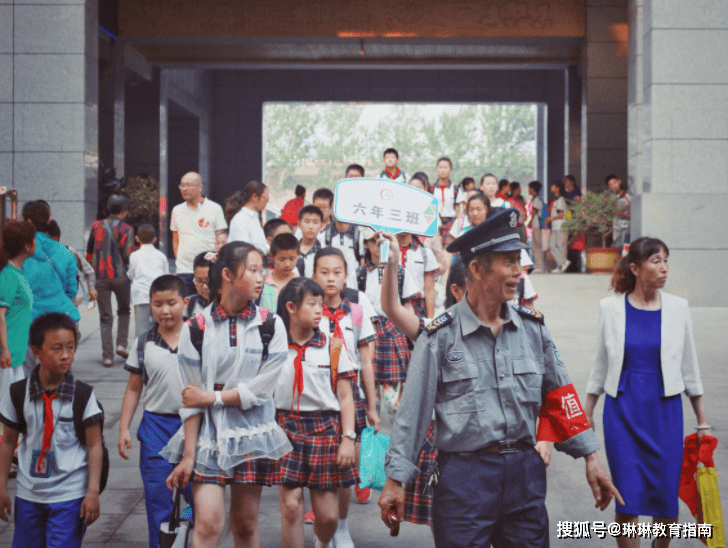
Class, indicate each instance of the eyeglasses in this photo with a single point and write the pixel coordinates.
(198, 281)
(183, 186)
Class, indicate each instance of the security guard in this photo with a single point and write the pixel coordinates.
(487, 367)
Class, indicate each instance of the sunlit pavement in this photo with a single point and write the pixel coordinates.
(570, 305)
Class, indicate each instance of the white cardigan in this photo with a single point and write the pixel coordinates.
(678, 357)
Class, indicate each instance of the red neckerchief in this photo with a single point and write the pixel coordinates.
(337, 342)
(47, 427)
(318, 339)
(502, 196)
(392, 175)
(442, 190)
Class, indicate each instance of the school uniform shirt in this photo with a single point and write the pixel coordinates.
(317, 393)
(146, 264)
(460, 226)
(446, 199)
(345, 242)
(246, 227)
(196, 305)
(374, 287)
(69, 472)
(367, 333)
(162, 391)
(397, 175)
(419, 260)
(196, 229)
(305, 261)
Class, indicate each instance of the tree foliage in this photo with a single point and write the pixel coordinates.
(312, 143)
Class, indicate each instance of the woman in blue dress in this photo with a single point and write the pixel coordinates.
(645, 359)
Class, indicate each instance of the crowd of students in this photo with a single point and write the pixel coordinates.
(296, 337)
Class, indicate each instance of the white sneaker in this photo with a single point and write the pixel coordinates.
(565, 266)
(318, 544)
(342, 539)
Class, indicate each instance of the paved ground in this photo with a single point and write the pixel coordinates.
(570, 304)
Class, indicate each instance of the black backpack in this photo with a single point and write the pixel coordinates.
(328, 237)
(266, 330)
(81, 395)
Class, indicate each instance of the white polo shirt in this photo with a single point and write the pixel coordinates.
(420, 260)
(146, 264)
(367, 333)
(162, 391)
(317, 394)
(69, 475)
(196, 229)
(446, 199)
(374, 287)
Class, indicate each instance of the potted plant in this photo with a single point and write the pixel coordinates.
(594, 215)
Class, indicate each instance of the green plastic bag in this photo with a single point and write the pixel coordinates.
(371, 459)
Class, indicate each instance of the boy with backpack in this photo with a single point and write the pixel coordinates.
(61, 454)
(154, 375)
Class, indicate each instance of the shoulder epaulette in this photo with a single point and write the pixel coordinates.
(441, 321)
(533, 314)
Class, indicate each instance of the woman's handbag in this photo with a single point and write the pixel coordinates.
(371, 459)
(702, 496)
(175, 533)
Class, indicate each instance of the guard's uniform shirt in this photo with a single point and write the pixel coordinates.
(484, 389)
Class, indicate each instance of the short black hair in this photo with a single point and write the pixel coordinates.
(200, 261)
(467, 181)
(503, 183)
(609, 178)
(536, 186)
(54, 231)
(422, 176)
(310, 210)
(514, 185)
(329, 252)
(117, 203)
(168, 282)
(357, 167)
(324, 193)
(273, 225)
(444, 159)
(146, 234)
(300, 191)
(50, 322)
(294, 292)
(284, 242)
(570, 177)
(391, 151)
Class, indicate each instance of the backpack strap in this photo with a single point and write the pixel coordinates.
(17, 398)
(191, 305)
(328, 236)
(141, 344)
(267, 330)
(197, 331)
(361, 278)
(301, 266)
(351, 295)
(81, 395)
(357, 251)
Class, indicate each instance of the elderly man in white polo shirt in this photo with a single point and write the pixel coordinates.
(194, 225)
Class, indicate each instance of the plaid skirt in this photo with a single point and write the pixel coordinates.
(360, 407)
(315, 436)
(391, 353)
(253, 472)
(445, 226)
(418, 493)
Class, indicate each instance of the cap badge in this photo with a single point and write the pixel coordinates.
(514, 219)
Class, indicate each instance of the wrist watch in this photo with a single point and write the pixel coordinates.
(218, 399)
(350, 434)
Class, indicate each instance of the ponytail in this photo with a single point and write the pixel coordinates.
(253, 188)
(16, 236)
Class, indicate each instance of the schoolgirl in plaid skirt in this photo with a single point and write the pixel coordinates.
(315, 405)
(229, 434)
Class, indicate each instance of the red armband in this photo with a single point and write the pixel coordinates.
(561, 416)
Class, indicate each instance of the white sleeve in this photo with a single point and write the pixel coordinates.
(237, 233)
(367, 328)
(351, 282)
(431, 264)
(130, 270)
(261, 387)
(173, 221)
(190, 369)
(219, 222)
(462, 196)
(457, 227)
(92, 408)
(409, 287)
(7, 410)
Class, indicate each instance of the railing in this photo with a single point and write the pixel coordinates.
(12, 195)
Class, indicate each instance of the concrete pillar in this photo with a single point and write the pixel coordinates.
(605, 115)
(679, 139)
(49, 107)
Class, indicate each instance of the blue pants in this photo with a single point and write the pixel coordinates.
(53, 525)
(490, 498)
(153, 434)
